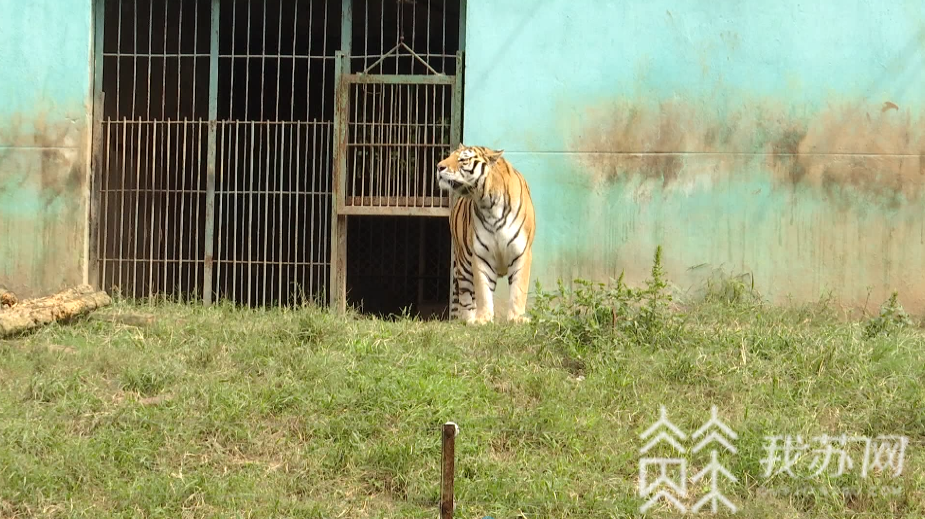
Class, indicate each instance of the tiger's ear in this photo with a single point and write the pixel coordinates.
(494, 155)
(460, 147)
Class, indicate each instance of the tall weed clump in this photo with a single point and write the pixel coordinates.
(588, 316)
(892, 318)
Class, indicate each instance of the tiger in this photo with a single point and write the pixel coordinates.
(492, 225)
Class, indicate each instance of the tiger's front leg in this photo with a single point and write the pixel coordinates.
(484, 289)
(520, 283)
(464, 300)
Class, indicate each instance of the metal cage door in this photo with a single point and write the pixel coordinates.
(391, 130)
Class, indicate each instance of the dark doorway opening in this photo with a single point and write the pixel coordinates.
(397, 264)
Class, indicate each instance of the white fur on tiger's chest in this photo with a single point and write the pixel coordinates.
(503, 246)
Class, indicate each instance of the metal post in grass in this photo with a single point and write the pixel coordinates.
(450, 430)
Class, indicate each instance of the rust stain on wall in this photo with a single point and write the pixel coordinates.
(43, 172)
(62, 166)
(866, 149)
(874, 147)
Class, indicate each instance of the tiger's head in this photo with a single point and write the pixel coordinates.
(464, 169)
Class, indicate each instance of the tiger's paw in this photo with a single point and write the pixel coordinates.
(480, 319)
(518, 319)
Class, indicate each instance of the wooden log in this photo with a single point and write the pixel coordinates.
(33, 313)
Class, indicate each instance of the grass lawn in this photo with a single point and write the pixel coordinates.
(224, 412)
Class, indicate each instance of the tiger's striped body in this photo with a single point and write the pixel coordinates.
(492, 225)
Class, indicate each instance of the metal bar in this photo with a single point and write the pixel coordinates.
(295, 231)
(400, 202)
(462, 30)
(125, 156)
(447, 503)
(416, 138)
(384, 135)
(250, 215)
(210, 164)
(96, 129)
(384, 187)
(443, 34)
(136, 225)
(280, 234)
(155, 151)
(179, 62)
(222, 194)
(198, 238)
(400, 79)
(148, 58)
(234, 218)
(102, 177)
(381, 58)
(456, 111)
(295, 32)
(428, 155)
(247, 63)
(350, 122)
(263, 51)
(324, 51)
(185, 168)
(169, 191)
(410, 170)
(168, 54)
(266, 215)
(118, 50)
(279, 58)
(420, 59)
(96, 178)
(427, 39)
(164, 66)
(134, 59)
(384, 210)
(231, 62)
(310, 202)
(193, 112)
(224, 143)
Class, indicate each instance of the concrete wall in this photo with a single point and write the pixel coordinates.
(779, 137)
(45, 94)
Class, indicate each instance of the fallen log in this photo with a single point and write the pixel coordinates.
(33, 313)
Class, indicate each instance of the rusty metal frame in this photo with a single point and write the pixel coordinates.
(338, 285)
(208, 287)
(96, 136)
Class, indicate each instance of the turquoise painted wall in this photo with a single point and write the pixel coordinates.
(45, 94)
(778, 137)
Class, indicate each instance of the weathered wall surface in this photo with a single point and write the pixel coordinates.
(778, 137)
(45, 92)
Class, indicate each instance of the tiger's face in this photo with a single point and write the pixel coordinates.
(461, 171)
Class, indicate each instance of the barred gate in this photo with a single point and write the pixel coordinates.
(228, 153)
